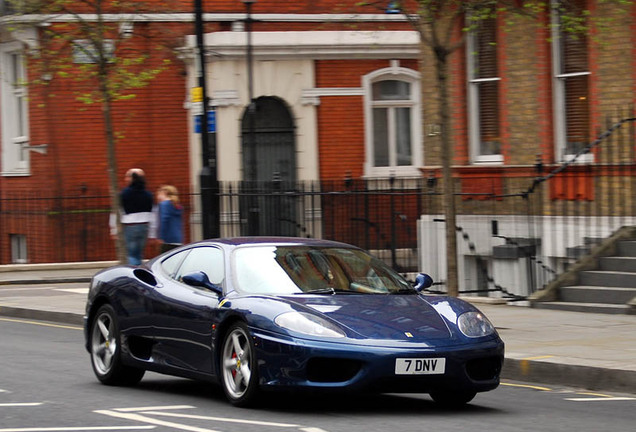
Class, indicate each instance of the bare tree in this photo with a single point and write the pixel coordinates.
(442, 26)
(89, 43)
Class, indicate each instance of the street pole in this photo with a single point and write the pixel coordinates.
(250, 88)
(253, 210)
(208, 177)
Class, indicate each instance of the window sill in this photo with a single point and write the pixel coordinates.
(489, 160)
(388, 172)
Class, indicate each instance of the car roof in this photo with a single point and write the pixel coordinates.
(230, 243)
(255, 240)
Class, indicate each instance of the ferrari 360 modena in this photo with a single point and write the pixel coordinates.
(261, 314)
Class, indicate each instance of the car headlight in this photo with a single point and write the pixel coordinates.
(475, 324)
(303, 322)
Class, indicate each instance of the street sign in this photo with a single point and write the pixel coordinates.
(211, 122)
(196, 108)
(196, 94)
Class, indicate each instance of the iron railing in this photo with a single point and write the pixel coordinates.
(378, 215)
(516, 231)
(37, 228)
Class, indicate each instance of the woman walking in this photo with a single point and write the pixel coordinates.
(170, 217)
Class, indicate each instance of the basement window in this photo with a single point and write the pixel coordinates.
(18, 248)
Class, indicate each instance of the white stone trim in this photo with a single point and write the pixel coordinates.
(315, 45)
(224, 98)
(312, 96)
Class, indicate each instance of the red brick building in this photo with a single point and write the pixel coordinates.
(340, 91)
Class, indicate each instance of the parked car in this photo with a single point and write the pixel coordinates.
(258, 314)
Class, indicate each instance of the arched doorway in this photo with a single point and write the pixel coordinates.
(268, 141)
(269, 168)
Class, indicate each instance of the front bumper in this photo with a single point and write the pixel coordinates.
(300, 363)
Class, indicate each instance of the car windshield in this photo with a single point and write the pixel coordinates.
(293, 269)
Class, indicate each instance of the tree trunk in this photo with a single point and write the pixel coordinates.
(441, 68)
(120, 245)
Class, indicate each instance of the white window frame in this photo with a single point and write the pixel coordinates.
(558, 98)
(15, 122)
(393, 73)
(474, 132)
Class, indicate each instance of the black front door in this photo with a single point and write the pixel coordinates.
(269, 169)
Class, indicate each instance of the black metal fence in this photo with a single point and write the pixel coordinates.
(38, 228)
(379, 215)
(516, 230)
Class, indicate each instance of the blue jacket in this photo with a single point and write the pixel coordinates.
(170, 222)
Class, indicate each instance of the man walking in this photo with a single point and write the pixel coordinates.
(136, 203)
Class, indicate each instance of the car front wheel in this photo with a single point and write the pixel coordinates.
(105, 346)
(238, 364)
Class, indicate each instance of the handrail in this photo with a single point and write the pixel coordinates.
(585, 150)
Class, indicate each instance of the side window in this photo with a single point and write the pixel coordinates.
(171, 264)
(207, 259)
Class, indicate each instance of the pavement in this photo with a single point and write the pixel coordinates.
(576, 349)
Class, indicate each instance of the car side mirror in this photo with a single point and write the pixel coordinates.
(201, 279)
(422, 281)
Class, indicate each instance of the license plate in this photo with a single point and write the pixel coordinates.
(420, 366)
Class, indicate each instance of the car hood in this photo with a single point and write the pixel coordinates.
(409, 318)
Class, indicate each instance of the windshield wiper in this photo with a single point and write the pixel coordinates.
(328, 290)
(405, 291)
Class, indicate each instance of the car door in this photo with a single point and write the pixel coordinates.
(183, 315)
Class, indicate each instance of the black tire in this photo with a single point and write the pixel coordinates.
(239, 374)
(105, 350)
(453, 399)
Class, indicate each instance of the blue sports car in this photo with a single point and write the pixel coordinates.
(259, 314)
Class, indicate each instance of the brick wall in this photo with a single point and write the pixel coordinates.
(151, 131)
(153, 126)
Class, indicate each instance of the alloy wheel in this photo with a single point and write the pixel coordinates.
(237, 363)
(103, 343)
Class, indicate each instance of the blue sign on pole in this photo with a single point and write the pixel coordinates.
(211, 122)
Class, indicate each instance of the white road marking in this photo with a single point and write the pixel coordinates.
(78, 428)
(141, 414)
(154, 408)
(20, 288)
(73, 290)
(144, 419)
(222, 419)
(598, 399)
(20, 404)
